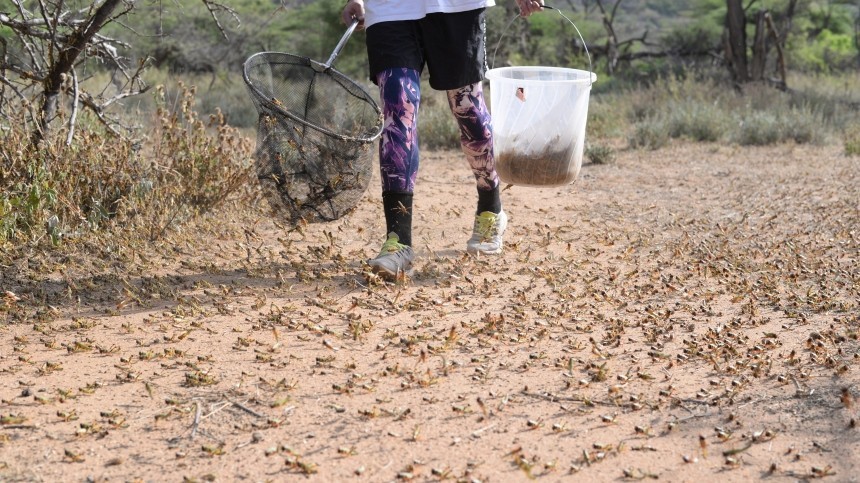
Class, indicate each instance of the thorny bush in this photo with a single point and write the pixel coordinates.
(180, 168)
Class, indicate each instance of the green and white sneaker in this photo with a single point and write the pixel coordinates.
(487, 233)
(394, 260)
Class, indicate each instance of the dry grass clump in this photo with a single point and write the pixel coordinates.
(207, 162)
(181, 167)
(695, 107)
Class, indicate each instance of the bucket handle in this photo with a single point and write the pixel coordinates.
(588, 54)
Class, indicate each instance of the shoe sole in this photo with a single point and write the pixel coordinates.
(389, 275)
(476, 251)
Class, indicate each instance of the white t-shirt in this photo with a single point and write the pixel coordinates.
(376, 11)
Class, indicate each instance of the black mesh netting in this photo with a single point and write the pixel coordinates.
(314, 136)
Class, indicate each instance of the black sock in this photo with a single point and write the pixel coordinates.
(489, 201)
(398, 215)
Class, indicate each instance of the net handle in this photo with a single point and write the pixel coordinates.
(584, 44)
(342, 42)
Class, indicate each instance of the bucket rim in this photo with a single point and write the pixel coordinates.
(496, 74)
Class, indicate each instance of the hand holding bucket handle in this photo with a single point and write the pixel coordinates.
(527, 7)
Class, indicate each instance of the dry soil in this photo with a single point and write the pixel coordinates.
(685, 314)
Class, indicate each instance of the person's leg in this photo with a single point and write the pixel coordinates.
(476, 139)
(400, 92)
(455, 51)
(396, 61)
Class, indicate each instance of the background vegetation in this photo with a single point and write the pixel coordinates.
(661, 68)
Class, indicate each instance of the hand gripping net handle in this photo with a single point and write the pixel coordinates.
(342, 42)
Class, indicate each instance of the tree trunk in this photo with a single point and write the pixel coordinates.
(779, 52)
(787, 22)
(857, 37)
(64, 63)
(759, 50)
(611, 37)
(736, 40)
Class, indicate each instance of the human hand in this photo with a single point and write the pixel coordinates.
(528, 7)
(353, 9)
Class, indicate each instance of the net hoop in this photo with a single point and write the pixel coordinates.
(328, 70)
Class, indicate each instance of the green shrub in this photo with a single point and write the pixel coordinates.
(606, 116)
(27, 195)
(699, 108)
(678, 107)
(804, 125)
(827, 52)
(760, 128)
(697, 120)
(600, 154)
(643, 104)
(650, 133)
(66, 191)
(851, 140)
(832, 97)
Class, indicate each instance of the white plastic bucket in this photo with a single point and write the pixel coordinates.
(539, 116)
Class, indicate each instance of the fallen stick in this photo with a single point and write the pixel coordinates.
(197, 412)
(215, 411)
(477, 433)
(247, 409)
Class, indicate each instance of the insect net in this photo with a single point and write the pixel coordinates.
(315, 131)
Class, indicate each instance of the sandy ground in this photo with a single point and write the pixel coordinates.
(685, 314)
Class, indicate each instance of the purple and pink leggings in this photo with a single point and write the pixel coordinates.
(398, 150)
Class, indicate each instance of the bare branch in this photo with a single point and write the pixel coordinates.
(49, 26)
(54, 40)
(123, 95)
(65, 60)
(780, 54)
(611, 37)
(614, 10)
(215, 7)
(73, 118)
(24, 101)
(24, 13)
(22, 32)
(88, 102)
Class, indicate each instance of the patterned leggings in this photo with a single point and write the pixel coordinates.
(398, 150)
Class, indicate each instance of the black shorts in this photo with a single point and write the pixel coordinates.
(452, 45)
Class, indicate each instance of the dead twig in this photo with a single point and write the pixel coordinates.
(215, 411)
(247, 409)
(197, 412)
(19, 426)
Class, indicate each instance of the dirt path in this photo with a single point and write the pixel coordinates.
(684, 314)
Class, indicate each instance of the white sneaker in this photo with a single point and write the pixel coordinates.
(487, 233)
(394, 260)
